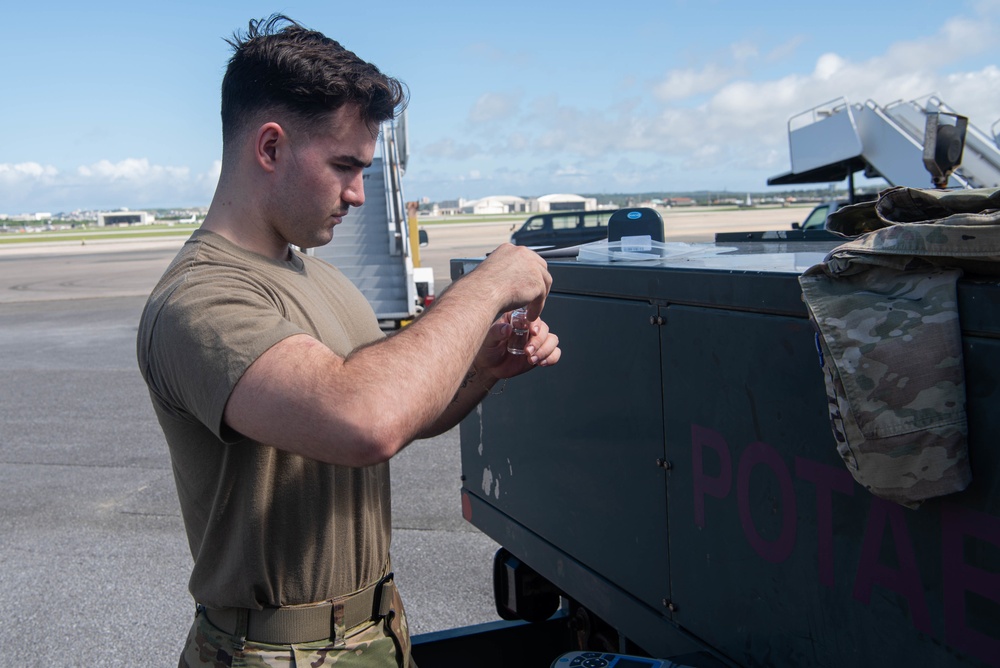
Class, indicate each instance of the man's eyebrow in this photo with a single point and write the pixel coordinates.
(352, 160)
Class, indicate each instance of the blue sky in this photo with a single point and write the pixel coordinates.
(115, 104)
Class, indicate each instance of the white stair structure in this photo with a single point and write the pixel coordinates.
(835, 140)
(372, 244)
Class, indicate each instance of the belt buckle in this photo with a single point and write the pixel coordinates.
(382, 602)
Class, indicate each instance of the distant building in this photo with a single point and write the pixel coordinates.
(28, 217)
(495, 204)
(125, 218)
(506, 204)
(446, 208)
(564, 202)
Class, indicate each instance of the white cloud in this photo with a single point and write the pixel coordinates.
(783, 51)
(570, 171)
(211, 177)
(26, 172)
(828, 65)
(492, 107)
(449, 149)
(967, 88)
(492, 53)
(133, 183)
(683, 84)
(716, 117)
(958, 38)
(131, 169)
(726, 113)
(743, 50)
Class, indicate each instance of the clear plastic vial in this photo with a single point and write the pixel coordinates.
(519, 336)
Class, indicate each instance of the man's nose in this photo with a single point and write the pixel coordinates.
(354, 193)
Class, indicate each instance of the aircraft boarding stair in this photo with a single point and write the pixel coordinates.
(835, 140)
(371, 246)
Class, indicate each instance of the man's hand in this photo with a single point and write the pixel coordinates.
(542, 349)
(519, 276)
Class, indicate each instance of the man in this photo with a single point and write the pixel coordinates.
(280, 399)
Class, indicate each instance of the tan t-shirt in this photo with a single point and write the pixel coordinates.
(265, 527)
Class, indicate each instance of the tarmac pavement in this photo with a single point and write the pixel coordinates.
(95, 559)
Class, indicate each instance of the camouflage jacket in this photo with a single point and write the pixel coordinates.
(886, 311)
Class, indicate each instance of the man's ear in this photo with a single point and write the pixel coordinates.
(269, 140)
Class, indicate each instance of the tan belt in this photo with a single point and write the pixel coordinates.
(302, 624)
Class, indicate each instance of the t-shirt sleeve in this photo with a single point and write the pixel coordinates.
(202, 340)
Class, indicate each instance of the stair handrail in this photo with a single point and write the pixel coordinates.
(880, 111)
(917, 141)
(399, 243)
(819, 112)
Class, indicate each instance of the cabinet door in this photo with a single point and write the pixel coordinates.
(570, 452)
(777, 556)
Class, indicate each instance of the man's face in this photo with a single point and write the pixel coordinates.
(322, 178)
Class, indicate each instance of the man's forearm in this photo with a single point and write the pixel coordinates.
(359, 410)
(430, 357)
(474, 388)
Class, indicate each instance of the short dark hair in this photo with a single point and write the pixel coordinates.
(277, 63)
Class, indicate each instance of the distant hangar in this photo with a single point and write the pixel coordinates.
(500, 204)
(125, 218)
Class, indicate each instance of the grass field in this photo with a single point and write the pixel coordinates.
(182, 230)
(97, 234)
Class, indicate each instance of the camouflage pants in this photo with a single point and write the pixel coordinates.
(382, 644)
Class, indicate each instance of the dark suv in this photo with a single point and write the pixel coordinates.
(816, 220)
(558, 229)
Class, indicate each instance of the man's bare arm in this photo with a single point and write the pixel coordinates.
(493, 364)
(301, 397)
